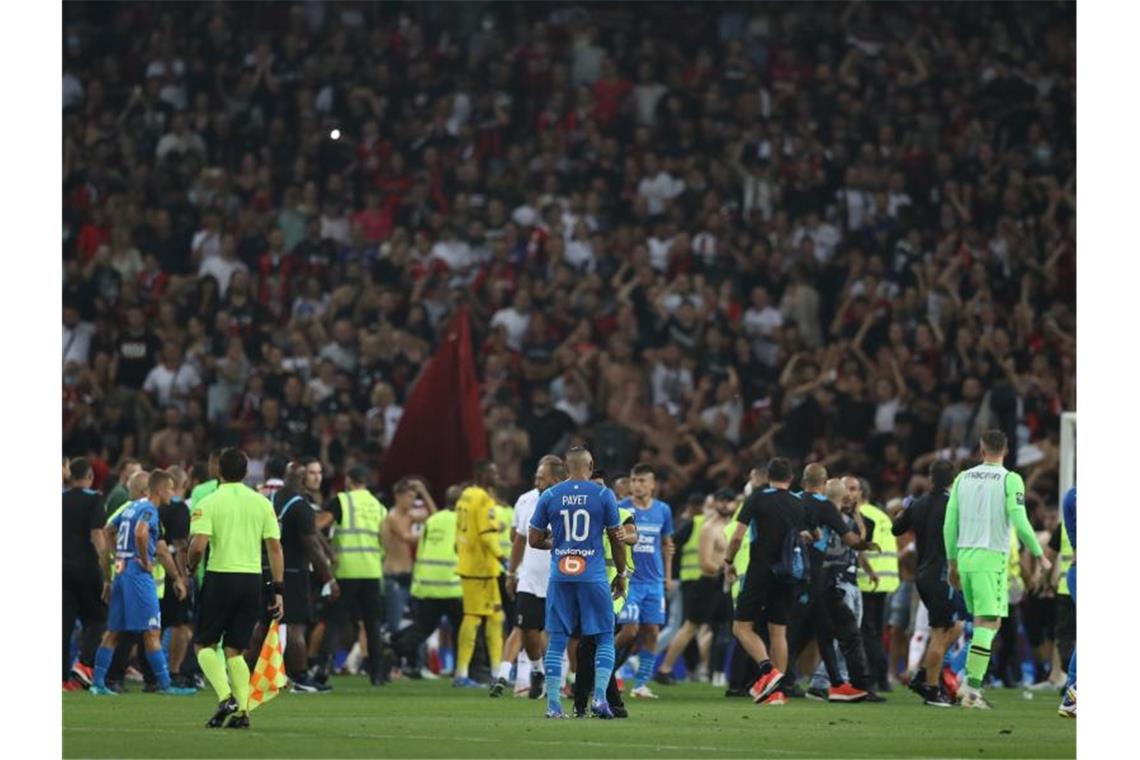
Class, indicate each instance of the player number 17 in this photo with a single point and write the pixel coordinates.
(574, 528)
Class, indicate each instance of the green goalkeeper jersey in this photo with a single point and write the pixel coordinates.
(985, 502)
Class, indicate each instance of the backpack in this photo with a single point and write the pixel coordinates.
(794, 563)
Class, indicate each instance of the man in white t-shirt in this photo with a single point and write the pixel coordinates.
(527, 576)
(516, 319)
(172, 381)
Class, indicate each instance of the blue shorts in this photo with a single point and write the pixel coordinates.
(579, 607)
(134, 603)
(645, 604)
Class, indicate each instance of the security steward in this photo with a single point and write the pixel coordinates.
(85, 588)
(234, 522)
(358, 558)
(436, 592)
(875, 587)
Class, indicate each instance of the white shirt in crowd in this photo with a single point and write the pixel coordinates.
(516, 323)
(671, 385)
(762, 323)
(824, 236)
(579, 412)
(336, 228)
(534, 570)
(646, 96)
(455, 253)
(659, 189)
(172, 386)
(77, 343)
(579, 254)
(207, 243)
(659, 252)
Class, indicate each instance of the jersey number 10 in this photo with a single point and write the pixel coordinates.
(574, 528)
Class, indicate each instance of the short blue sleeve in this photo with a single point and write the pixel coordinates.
(116, 519)
(667, 523)
(541, 517)
(1069, 515)
(610, 516)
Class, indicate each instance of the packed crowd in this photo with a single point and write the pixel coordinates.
(694, 237)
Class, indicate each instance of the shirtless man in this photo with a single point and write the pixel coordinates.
(413, 505)
(706, 605)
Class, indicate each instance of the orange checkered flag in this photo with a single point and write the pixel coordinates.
(268, 677)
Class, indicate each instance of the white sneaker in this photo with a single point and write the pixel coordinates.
(354, 660)
(702, 674)
(972, 699)
(427, 675)
(718, 680)
(642, 692)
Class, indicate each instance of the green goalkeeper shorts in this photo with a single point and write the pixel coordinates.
(986, 591)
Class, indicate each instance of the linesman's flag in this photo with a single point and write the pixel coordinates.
(268, 677)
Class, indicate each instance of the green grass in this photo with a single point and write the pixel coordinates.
(430, 719)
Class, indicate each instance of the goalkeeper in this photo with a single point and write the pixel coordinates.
(985, 502)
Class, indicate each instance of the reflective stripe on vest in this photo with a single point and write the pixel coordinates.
(691, 552)
(885, 563)
(357, 537)
(1066, 562)
(433, 575)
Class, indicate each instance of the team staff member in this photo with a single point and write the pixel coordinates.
(121, 492)
(86, 585)
(877, 585)
(925, 517)
(234, 522)
(358, 553)
(985, 502)
(177, 612)
(768, 516)
(528, 574)
(435, 586)
(480, 563)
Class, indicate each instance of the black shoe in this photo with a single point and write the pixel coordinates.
(619, 711)
(793, 691)
(737, 693)
(239, 721)
(663, 678)
(580, 712)
(936, 697)
(226, 708)
(379, 681)
(537, 685)
(150, 688)
(886, 687)
(918, 683)
(873, 697)
(498, 687)
(413, 673)
(817, 693)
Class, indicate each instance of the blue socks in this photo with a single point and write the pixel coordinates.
(553, 664)
(644, 667)
(157, 660)
(103, 657)
(604, 664)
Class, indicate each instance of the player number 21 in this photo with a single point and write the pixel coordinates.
(574, 528)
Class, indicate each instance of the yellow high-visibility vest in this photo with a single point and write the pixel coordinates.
(1066, 562)
(744, 556)
(434, 576)
(357, 539)
(884, 562)
(691, 552)
(506, 517)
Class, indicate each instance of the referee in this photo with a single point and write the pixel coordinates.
(234, 520)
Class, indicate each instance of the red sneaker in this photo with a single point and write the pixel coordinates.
(775, 698)
(765, 685)
(950, 682)
(82, 673)
(70, 685)
(845, 692)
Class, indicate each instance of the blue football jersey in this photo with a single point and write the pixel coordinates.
(125, 521)
(577, 512)
(654, 523)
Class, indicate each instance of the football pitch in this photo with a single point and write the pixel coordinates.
(431, 719)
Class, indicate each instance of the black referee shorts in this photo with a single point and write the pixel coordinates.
(229, 607)
(531, 612)
(174, 611)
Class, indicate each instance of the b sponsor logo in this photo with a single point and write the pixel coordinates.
(571, 564)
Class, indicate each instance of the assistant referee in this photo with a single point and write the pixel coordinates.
(234, 520)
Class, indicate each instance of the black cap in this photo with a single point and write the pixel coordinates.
(724, 494)
(358, 473)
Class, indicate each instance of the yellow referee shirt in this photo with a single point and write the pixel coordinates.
(477, 535)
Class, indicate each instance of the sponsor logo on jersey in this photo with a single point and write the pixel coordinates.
(572, 564)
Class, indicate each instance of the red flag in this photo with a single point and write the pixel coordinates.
(441, 432)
